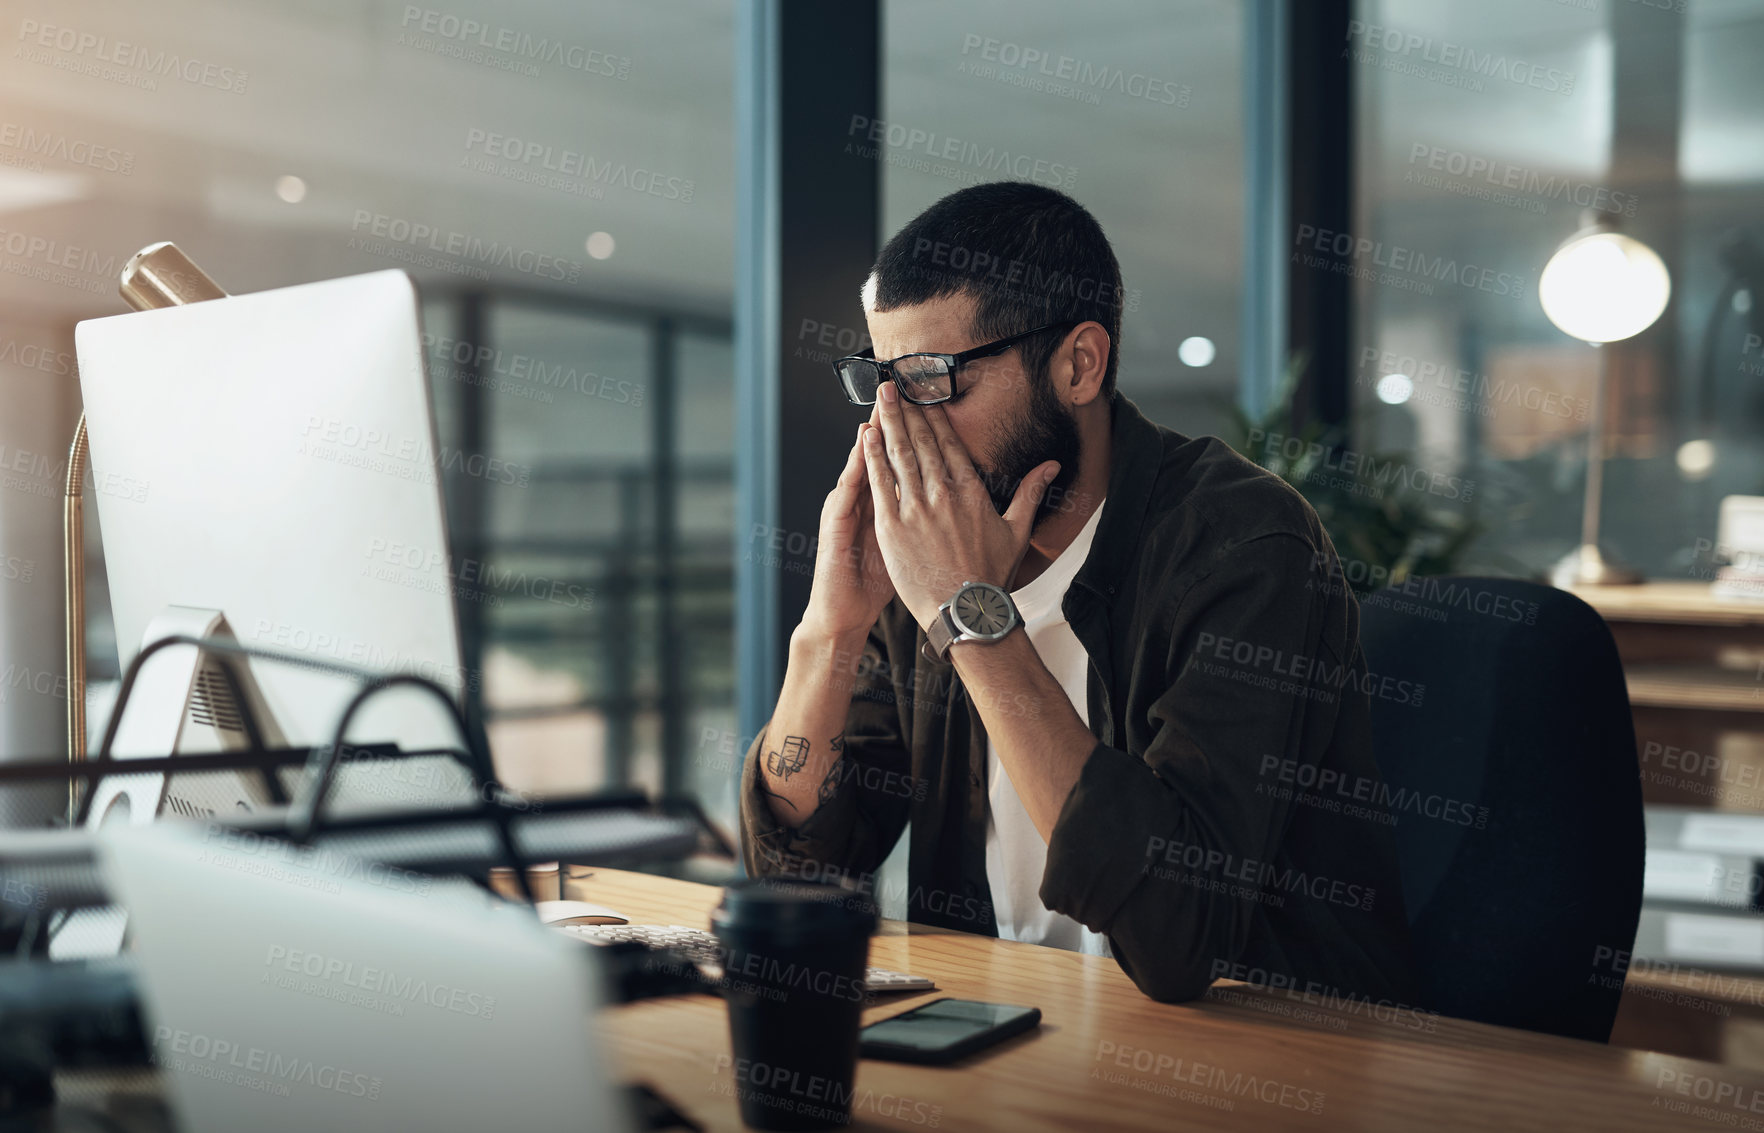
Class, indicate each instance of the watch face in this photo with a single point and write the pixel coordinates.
(982, 610)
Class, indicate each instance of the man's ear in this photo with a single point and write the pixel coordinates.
(1088, 348)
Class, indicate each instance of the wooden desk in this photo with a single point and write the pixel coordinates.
(1694, 665)
(1350, 1070)
(1671, 603)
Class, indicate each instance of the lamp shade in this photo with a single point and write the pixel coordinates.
(1602, 286)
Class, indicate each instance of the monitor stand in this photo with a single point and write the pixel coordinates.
(182, 704)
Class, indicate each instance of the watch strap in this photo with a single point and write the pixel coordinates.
(939, 636)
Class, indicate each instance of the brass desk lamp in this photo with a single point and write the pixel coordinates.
(159, 275)
(1600, 286)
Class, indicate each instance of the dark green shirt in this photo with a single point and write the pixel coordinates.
(1226, 824)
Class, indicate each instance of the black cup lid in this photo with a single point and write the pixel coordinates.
(800, 906)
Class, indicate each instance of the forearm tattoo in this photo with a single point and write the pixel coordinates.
(771, 794)
(830, 784)
(790, 760)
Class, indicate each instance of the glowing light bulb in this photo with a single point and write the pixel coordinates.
(1394, 389)
(1603, 286)
(1197, 351)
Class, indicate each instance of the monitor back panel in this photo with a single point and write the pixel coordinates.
(273, 456)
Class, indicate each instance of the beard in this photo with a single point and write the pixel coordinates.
(1047, 433)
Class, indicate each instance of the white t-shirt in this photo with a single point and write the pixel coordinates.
(1016, 854)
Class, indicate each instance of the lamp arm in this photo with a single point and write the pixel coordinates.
(159, 275)
(73, 544)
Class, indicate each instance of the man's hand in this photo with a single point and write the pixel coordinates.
(799, 763)
(851, 584)
(934, 520)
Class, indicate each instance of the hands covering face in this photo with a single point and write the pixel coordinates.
(934, 521)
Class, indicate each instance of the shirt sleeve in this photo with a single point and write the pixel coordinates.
(1267, 613)
(855, 827)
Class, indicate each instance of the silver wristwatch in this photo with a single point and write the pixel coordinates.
(979, 611)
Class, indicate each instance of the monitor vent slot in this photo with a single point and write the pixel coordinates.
(186, 807)
(212, 703)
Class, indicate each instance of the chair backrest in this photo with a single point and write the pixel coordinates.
(1517, 797)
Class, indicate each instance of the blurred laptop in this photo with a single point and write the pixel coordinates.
(287, 989)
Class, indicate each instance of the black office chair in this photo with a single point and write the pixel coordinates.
(1529, 718)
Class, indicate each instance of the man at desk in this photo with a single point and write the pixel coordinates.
(1101, 667)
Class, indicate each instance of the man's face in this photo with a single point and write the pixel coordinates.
(1009, 421)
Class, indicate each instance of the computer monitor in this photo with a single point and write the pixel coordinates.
(266, 465)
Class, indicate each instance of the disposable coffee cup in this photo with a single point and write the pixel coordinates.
(794, 956)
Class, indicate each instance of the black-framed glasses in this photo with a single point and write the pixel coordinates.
(923, 379)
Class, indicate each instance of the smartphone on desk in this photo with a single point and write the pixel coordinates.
(944, 1030)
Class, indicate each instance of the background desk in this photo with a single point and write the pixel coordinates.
(1370, 1073)
(1695, 669)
